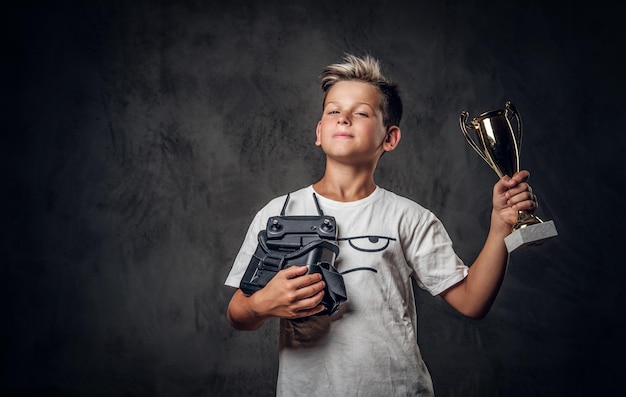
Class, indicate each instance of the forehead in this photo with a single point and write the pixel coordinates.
(354, 92)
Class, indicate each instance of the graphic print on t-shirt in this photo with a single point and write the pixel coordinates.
(368, 243)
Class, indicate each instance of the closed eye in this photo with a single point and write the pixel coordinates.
(368, 243)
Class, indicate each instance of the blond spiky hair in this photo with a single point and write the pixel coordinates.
(368, 70)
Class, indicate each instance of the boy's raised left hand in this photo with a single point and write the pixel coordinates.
(510, 195)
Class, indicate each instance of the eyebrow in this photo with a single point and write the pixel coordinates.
(359, 103)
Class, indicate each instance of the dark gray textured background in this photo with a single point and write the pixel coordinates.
(140, 137)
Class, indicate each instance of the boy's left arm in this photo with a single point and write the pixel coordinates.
(474, 295)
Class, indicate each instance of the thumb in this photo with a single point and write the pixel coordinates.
(504, 184)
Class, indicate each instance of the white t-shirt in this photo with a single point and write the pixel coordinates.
(369, 346)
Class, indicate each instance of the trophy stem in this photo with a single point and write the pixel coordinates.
(524, 219)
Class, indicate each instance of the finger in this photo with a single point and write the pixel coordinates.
(311, 312)
(293, 271)
(523, 201)
(310, 290)
(521, 176)
(307, 313)
(517, 179)
(309, 306)
(518, 189)
(307, 280)
(516, 196)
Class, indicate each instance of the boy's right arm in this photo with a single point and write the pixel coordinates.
(290, 294)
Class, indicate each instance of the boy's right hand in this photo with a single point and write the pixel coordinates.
(291, 293)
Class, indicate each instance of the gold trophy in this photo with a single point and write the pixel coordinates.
(499, 145)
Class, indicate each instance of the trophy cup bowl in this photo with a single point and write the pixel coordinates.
(499, 144)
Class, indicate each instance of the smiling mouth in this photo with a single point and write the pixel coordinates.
(342, 135)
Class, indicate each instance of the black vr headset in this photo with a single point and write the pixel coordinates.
(298, 241)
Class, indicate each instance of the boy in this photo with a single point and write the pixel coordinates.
(369, 346)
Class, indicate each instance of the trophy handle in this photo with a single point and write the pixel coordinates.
(509, 108)
(470, 140)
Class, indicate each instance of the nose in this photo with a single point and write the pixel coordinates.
(343, 119)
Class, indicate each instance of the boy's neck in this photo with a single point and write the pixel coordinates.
(347, 184)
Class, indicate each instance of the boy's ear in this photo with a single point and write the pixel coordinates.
(393, 138)
(318, 142)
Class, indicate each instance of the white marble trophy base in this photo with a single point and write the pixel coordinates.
(530, 235)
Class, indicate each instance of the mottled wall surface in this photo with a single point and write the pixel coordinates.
(140, 137)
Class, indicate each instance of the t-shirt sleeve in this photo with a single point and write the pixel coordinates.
(431, 255)
(245, 251)
(250, 242)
